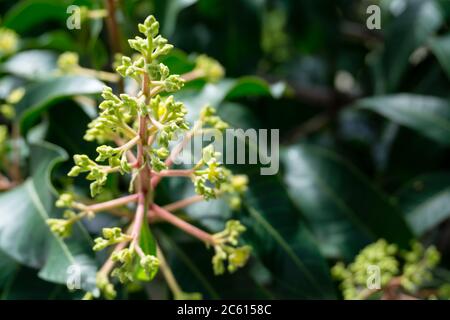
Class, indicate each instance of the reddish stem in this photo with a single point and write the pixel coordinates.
(183, 225)
(113, 203)
(175, 173)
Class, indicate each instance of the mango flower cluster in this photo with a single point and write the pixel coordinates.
(139, 136)
(408, 270)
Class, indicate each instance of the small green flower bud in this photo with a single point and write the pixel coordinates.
(150, 264)
(7, 111)
(110, 236)
(9, 41)
(65, 200)
(238, 258)
(211, 69)
(105, 287)
(15, 96)
(68, 62)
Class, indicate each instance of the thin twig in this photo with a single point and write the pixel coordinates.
(183, 225)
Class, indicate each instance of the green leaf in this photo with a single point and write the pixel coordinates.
(253, 86)
(26, 15)
(171, 10)
(32, 64)
(407, 32)
(40, 96)
(148, 245)
(216, 93)
(344, 209)
(440, 46)
(430, 116)
(425, 201)
(281, 241)
(24, 233)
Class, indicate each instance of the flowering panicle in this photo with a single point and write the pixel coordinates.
(408, 269)
(136, 134)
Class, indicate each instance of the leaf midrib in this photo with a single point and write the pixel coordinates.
(278, 238)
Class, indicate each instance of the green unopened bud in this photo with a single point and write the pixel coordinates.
(61, 227)
(210, 68)
(106, 288)
(65, 200)
(110, 236)
(150, 264)
(15, 96)
(68, 62)
(173, 83)
(239, 183)
(9, 41)
(238, 258)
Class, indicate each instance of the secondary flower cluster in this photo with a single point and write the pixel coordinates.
(408, 270)
(139, 137)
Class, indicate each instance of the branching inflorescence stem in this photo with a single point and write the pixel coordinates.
(142, 127)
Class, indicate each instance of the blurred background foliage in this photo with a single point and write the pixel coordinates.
(364, 121)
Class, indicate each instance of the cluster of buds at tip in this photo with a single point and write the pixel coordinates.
(188, 296)
(97, 173)
(7, 108)
(68, 62)
(210, 68)
(227, 250)
(110, 236)
(413, 268)
(105, 287)
(419, 264)
(209, 118)
(63, 227)
(129, 260)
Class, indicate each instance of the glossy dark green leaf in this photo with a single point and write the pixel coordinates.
(282, 242)
(440, 46)
(425, 201)
(254, 86)
(32, 64)
(343, 208)
(428, 115)
(24, 233)
(40, 96)
(405, 33)
(27, 14)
